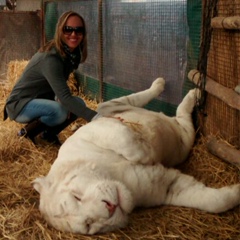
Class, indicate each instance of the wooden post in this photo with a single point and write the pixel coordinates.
(227, 95)
(226, 22)
(223, 150)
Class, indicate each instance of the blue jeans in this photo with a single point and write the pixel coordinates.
(51, 113)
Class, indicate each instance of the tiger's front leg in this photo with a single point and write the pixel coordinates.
(139, 99)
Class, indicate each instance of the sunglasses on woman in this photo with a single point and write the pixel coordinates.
(67, 30)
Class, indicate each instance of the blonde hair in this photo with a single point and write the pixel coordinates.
(57, 42)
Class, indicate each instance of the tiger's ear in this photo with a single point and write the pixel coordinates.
(40, 183)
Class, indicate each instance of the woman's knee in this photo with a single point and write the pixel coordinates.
(57, 116)
(61, 113)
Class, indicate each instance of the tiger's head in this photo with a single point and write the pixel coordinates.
(83, 203)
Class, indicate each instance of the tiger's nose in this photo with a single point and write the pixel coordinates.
(110, 207)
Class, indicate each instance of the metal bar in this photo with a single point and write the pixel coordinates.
(100, 50)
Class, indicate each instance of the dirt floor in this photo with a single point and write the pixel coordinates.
(21, 162)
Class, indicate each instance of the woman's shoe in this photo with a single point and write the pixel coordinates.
(32, 129)
(51, 138)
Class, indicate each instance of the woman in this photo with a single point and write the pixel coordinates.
(41, 97)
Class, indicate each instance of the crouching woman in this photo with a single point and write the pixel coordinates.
(41, 98)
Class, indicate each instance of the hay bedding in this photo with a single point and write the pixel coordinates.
(21, 162)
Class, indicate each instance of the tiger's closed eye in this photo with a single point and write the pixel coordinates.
(77, 198)
(76, 195)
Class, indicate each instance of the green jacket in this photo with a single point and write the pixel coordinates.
(45, 77)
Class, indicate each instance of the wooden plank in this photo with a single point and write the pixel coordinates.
(226, 22)
(227, 95)
(223, 150)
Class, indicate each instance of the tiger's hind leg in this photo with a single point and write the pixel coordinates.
(186, 191)
(185, 122)
(186, 107)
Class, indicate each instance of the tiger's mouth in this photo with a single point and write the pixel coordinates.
(113, 205)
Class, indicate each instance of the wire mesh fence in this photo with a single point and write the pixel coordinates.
(140, 40)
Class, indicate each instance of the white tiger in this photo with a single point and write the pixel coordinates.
(123, 160)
